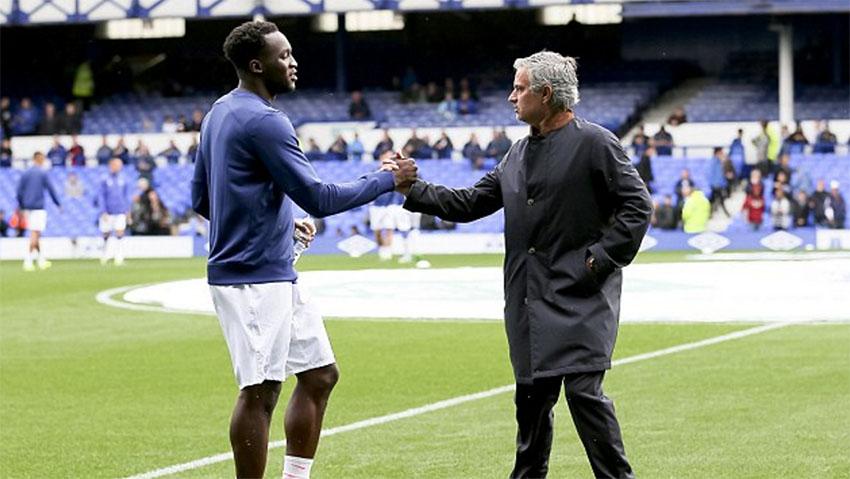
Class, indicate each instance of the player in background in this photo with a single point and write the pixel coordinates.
(114, 205)
(30, 195)
(248, 171)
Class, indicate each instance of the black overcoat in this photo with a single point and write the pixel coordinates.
(567, 195)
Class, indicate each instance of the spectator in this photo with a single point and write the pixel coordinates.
(802, 211)
(424, 150)
(695, 210)
(781, 184)
(738, 155)
(172, 153)
(447, 107)
(785, 167)
(444, 147)
(57, 154)
(147, 213)
(767, 145)
(145, 165)
(717, 180)
(183, 122)
(338, 150)
(413, 144)
(169, 125)
(18, 222)
(780, 211)
(6, 116)
(414, 94)
(386, 144)
(466, 86)
(358, 109)
(644, 168)
(639, 145)
(356, 149)
(473, 152)
(663, 142)
(754, 203)
(76, 153)
(835, 208)
(104, 152)
(74, 188)
(25, 119)
(677, 117)
(432, 93)
(448, 86)
(6, 153)
(826, 140)
(665, 214)
(148, 126)
(192, 151)
(817, 203)
(684, 180)
(640, 141)
(121, 151)
(4, 226)
(797, 141)
(466, 105)
(731, 176)
(313, 152)
(50, 123)
(197, 119)
(499, 145)
(72, 120)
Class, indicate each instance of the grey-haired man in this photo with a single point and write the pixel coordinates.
(576, 212)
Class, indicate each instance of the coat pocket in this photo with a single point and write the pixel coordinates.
(569, 276)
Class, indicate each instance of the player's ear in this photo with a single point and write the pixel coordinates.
(547, 93)
(255, 66)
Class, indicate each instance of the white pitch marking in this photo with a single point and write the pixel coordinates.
(376, 421)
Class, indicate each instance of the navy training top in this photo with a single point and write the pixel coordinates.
(31, 188)
(249, 168)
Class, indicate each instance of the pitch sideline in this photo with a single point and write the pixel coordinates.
(376, 421)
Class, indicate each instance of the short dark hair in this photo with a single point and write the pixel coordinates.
(245, 42)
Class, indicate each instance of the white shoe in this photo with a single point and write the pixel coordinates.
(103, 261)
(119, 262)
(29, 267)
(44, 264)
(405, 259)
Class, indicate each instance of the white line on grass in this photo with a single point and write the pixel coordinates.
(376, 421)
(105, 297)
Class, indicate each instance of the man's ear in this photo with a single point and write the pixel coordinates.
(546, 92)
(254, 66)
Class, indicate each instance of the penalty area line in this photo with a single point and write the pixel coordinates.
(436, 406)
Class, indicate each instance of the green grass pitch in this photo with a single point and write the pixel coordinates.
(89, 391)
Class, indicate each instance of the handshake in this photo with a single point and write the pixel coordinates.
(404, 170)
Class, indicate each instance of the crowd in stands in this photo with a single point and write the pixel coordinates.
(25, 119)
(417, 146)
(449, 100)
(774, 191)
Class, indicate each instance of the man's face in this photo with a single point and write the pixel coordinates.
(528, 105)
(115, 165)
(279, 66)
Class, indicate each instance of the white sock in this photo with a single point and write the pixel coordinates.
(40, 258)
(385, 252)
(119, 249)
(296, 467)
(28, 257)
(104, 257)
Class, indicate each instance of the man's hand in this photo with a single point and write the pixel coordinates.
(305, 230)
(406, 174)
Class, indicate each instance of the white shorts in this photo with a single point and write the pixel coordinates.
(36, 219)
(108, 223)
(405, 220)
(381, 218)
(271, 331)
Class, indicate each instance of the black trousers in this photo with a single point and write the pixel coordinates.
(593, 416)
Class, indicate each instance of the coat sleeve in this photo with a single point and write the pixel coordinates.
(460, 205)
(51, 191)
(631, 202)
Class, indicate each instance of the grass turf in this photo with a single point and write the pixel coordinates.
(91, 391)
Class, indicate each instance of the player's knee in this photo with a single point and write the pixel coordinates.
(322, 380)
